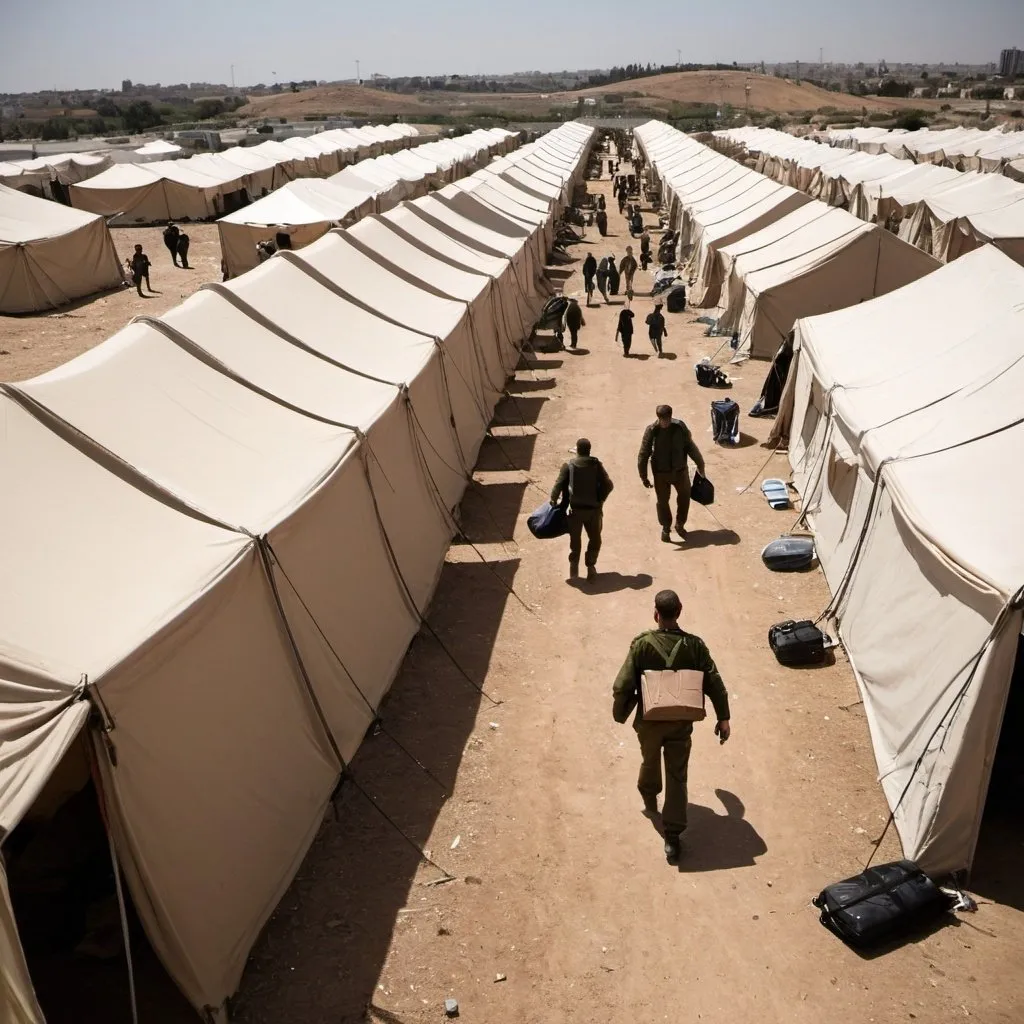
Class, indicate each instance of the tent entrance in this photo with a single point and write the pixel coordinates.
(62, 892)
(996, 872)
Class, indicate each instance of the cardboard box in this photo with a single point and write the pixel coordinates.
(673, 696)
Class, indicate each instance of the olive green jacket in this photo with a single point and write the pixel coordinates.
(649, 651)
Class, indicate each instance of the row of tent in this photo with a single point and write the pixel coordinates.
(210, 184)
(264, 483)
(764, 254)
(903, 416)
(51, 254)
(36, 176)
(943, 211)
(991, 151)
(307, 208)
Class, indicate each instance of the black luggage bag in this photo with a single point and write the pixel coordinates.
(882, 904)
(798, 643)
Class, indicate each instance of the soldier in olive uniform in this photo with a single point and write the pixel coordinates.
(585, 482)
(667, 444)
(652, 650)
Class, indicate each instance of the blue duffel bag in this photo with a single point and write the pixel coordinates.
(548, 521)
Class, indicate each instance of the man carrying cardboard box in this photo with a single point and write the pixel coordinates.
(666, 676)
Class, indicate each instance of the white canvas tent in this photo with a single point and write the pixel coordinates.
(904, 425)
(304, 210)
(50, 254)
(157, 150)
(811, 261)
(213, 614)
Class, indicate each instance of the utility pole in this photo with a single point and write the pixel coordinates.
(679, 58)
(232, 77)
(359, 81)
(798, 72)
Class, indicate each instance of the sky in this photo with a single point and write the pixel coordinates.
(68, 44)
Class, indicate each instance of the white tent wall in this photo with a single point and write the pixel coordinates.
(51, 255)
(875, 444)
(199, 600)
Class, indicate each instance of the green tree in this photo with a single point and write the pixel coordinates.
(140, 115)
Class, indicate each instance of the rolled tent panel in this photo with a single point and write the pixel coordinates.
(50, 254)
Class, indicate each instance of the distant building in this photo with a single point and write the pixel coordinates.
(1011, 62)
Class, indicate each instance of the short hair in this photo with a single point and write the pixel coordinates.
(583, 446)
(667, 605)
(663, 412)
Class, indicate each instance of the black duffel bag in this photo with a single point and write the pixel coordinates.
(882, 904)
(798, 643)
(702, 490)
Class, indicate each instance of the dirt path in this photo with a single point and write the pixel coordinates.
(30, 345)
(562, 887)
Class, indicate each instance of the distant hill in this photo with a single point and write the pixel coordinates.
(778, 95)
(659, 92)
(331, 99)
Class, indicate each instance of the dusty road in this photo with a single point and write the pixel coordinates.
(562, 888)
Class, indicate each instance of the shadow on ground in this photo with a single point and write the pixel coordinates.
(490, 511)
(505, 452)
(719, 842)
(323, 951)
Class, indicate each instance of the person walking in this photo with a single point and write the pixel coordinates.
(601, 219)
(656, 329)
(585, 484)
(602, 278)
(589, 270)
(667, 444)
(613, 275)
(667, 647)
(171, 233)
(139, 265)
(183, 243)
(624, 330)
(645, 249)
(573, 321)
(622, 200)
(627, 268)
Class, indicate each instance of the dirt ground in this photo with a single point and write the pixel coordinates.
(562, 907)
(30, 345)
(560, 886)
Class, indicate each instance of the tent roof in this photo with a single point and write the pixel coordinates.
(304, 201)
(378, 235)
(81, 609)
(25, 218)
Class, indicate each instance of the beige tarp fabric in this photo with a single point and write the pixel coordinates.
(338, 406)
(146, 193)
(900, 451)
(50, 254)
(18, 1003)
(811, 261)
(304, 210)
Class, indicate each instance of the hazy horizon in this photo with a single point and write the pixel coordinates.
(67, 45)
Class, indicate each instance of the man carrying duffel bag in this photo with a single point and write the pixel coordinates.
(586, 484)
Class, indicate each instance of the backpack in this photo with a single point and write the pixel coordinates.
(711, 376)
(725, 421)
(798, 643)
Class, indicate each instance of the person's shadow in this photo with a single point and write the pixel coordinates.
(718, 842)
(612, 583)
